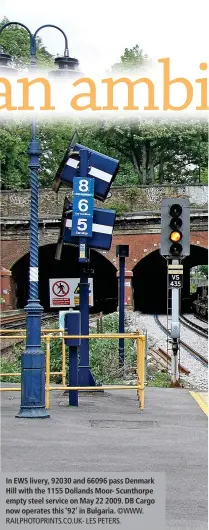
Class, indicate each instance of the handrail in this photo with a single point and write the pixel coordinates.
(140, 351)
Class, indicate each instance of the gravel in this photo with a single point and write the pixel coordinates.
(198, 377)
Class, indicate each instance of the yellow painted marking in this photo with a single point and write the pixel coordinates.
(201, 400)
(204, 396)
(175, 271)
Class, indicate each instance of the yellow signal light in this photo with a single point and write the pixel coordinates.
(175, 236)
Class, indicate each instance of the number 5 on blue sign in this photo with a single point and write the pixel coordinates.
(81, 226)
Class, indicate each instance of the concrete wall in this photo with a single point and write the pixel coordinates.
(126, 199)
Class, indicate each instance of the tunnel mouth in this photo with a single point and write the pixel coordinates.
(150, 281)
(149, 275)
(103, 272)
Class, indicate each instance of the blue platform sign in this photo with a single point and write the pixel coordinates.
(102, 229)
(83, 186)
(83, 207)
(81, 226)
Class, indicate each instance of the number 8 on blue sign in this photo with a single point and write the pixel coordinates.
(83, 187)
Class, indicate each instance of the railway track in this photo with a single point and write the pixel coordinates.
(201, 318)
(195, 327)
(12, 321)
(191, 350)
(19, 320)
(162, 357)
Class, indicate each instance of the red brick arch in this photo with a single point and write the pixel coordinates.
(140, 245)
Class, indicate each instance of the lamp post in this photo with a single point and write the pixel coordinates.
(122, 251)
(33, 359)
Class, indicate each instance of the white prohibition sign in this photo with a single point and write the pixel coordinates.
(83, 205)
(60, 288)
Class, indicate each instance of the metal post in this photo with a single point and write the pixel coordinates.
(142, 354)
(146, 350)
(101, 321)
(175, 332)
(84, 309)
(63, 362)
(72, 326)
(140, 350)
(73, 375)
(85, 376)
(121, 308)
(33, 359)
(47, 372)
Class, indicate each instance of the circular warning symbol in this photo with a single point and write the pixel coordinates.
(60, 288)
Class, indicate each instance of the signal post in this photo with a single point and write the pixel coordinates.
(175, 245)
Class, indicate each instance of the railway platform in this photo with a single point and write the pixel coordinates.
(107, 432)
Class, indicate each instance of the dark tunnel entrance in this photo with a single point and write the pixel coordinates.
(150, 281)
(149, 284)
(104, 277)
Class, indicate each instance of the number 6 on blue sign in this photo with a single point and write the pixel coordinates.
(83, 206)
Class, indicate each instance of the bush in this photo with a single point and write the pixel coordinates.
(12, 363)
(104, 355)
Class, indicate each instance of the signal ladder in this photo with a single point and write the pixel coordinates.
(169, 320)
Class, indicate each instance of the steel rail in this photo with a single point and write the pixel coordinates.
(191, 350)
(203, 332)
(17, 320)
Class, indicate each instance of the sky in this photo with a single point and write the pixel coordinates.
(98, 31)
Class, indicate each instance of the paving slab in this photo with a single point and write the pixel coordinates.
(108, 432)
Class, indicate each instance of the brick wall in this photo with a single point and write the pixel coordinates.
(6, 299)
(139, 246)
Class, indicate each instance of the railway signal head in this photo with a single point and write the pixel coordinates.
(175, 228)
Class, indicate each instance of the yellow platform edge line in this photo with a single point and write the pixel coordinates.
(200, 402)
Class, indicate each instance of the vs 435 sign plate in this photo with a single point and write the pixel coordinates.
(175, 276)
(175, 280)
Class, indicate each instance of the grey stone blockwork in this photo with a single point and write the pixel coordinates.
(131, 199)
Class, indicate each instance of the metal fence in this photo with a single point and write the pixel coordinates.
(48, 334)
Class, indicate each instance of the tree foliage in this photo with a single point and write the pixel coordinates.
(131, 60)
(203, 270)
(15, 41)
(150, 151)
